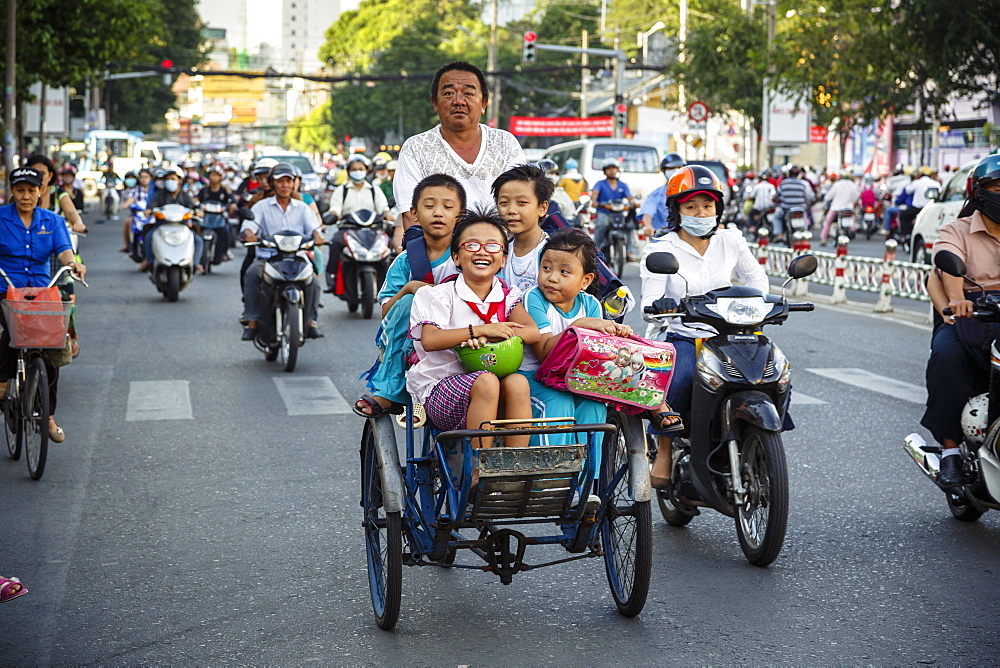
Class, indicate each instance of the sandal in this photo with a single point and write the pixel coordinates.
(376, 408)
(419, 417)
(669, 422)
(6, 585)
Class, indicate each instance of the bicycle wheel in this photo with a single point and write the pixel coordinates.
(383, 539)
(11, 426)
(35, 417)
(627, 526)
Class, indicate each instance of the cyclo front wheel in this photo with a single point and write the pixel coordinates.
(627, 526)
(762, 518)
(35, 417)
(383, 538)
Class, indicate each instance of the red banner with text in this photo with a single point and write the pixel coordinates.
(566, 126)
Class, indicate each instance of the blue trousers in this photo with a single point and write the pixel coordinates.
(388, 378)
(549, 403)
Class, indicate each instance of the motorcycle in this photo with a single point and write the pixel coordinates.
(797, 222)
(869, 221)
(137, 223)
(364, 261)
(732, 459)
(582, 214)
(214, 221)
(616, 244)
(980, 489)
(110, 197)
(172, 242)
(286, 275)
(847, 223)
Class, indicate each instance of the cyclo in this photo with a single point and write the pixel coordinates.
(37, 320)
(423, 511)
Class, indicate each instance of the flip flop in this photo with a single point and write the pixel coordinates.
(419, 414)
(670, 428)
(376, 408)
(6, 584)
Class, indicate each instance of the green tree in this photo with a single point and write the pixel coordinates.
(312, 132)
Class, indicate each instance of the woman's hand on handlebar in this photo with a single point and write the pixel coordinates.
(961, 308)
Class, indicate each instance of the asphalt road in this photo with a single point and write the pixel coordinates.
(234, 537)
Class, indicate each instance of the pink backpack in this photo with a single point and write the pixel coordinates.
(630, 374)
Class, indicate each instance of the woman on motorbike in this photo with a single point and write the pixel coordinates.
(958, 367)
(707, 256)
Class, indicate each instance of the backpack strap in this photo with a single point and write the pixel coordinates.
(416, 253)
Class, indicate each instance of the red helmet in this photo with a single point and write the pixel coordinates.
(691, 180)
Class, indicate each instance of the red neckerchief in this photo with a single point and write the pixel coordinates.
(493, 310)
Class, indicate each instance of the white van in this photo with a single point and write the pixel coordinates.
(639, 161)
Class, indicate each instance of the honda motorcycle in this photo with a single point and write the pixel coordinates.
(364, 261)
(172, 241)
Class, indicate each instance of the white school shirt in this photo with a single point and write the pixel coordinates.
(428, 153)
(727, 252)
(522, 272)
(551, 320)
(444, 307)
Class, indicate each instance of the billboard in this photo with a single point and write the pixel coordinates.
(787, 118)
(233, 88)
(566, 126)
(56, 111)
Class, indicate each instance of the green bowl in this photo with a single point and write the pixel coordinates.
(502, 359)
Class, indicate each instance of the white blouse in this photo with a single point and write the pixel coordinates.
(727, 252)
(444, 307)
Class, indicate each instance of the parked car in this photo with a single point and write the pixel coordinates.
(943, 208)
(639, 160)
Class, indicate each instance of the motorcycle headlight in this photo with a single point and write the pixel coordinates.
(381, 247)
(362, 254)
(781, 367)
(174, 235)
(741, 310)
(288, 243)
(710, 369)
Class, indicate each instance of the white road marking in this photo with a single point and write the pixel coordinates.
(800, 399)
(311, 395)
(876, 383)
(158, 400)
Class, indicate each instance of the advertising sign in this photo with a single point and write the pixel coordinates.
(788, 118)
(233, 88)
(566, 126)
(818, 134)
(56, 111)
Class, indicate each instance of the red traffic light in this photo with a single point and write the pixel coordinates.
(167, 63)
(621, 108)
(530, 36)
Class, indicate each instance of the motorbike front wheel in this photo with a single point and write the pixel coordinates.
(763, 516)
(173, 284)
(290, 336)
(368, 291)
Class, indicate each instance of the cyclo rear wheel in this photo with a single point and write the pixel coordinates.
(383, 538)
(35, 417)
(627, 527)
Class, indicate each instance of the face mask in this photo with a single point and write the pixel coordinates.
(158, 183)
(171, 186)
(230, 175)
(698, 227)
(357, 175)
(130, 183)
(554, 178)
(989, 204)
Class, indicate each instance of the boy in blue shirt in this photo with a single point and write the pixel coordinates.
(438, 200)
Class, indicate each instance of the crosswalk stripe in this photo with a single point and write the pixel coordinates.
(876, 383)
(800, 399)
(158, 400)
(311, 395)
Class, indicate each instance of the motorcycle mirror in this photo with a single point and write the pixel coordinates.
(330, 218)
(949, 263)
(662, 263)
(584, 199)
(245, 214)
(802, 266)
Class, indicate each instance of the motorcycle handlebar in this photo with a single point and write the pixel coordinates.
(975, 314)
(801, 307)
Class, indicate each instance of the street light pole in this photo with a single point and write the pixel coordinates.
(493, 104)
(11, 84)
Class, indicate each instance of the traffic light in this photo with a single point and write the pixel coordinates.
(528, 50)
(621, 115)
(167, 66)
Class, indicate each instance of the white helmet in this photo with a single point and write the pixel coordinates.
(974, 417)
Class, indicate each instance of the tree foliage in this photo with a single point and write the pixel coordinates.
(313, 132)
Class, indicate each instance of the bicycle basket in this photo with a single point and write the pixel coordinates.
(36, 317)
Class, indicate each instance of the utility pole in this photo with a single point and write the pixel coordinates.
(584, 75)
(493, 104)
(771, 30)
(11, 84)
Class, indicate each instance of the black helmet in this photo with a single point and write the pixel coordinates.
(672, 161)
(283, 169)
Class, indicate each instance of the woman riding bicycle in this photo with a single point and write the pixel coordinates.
(29, 236)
